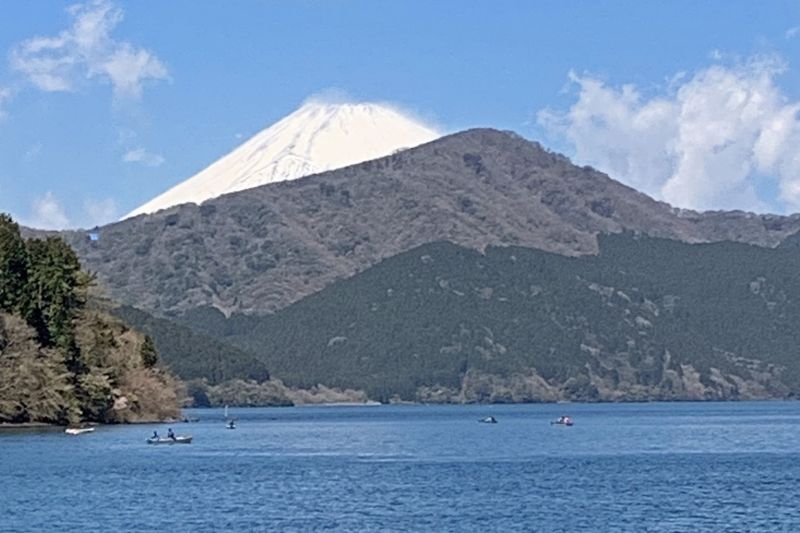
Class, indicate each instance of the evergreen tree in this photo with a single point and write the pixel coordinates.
(56, 290)
(149, 353)
(13, 265)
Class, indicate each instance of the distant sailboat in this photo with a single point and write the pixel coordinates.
(230, 421)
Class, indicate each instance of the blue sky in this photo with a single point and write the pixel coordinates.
(693, 102)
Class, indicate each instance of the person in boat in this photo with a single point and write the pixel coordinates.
(155, 434)
(232, 424)
(171, 434)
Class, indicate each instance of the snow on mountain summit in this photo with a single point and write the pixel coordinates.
(315, 138)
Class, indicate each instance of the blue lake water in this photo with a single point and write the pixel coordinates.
(621, 467)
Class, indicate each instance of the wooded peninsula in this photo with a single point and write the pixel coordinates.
(63, 358)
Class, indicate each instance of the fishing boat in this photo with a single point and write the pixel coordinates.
(488, 420)
(78, 431)
(182, 439)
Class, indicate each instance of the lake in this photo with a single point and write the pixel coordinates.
(621, 467)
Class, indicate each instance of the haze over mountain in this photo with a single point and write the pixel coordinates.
(257, 251)
(319, 136)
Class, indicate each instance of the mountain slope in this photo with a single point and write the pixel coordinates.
(259, 250)
(645, 319)
(315, 138)
(193, 354)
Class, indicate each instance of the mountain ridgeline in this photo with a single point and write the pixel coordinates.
(476, 267)
(256, 251)
(317, 137)
(646, 319)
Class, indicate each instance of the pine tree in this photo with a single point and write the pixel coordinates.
(13, 265)
(56, 290)
(149, 353)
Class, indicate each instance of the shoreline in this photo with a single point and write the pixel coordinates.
(558, 402)
(6, 426)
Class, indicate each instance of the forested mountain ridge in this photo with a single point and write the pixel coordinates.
(619, 334)
(193, 354)
(646, 319)
(258, 250)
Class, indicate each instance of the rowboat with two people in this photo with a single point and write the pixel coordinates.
(171, 438)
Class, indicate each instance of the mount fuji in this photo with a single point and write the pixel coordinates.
(316, 137)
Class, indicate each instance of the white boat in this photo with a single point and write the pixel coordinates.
(78, 431)
(181, 439)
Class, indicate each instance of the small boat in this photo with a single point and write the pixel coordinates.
(78, 431)
(563, 421)
(231, 425)
(182, 439)
(488, 420)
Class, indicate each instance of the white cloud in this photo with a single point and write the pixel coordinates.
(47, 213)
(5, 96)
(330, 95)
(127, 67)
(142, 156)
(791, 33)
(99, 212)
(704, 144)
(88, 50)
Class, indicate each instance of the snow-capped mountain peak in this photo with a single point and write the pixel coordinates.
(317, 137)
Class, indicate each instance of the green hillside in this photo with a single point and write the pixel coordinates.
(645, 319)
(192, 354)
